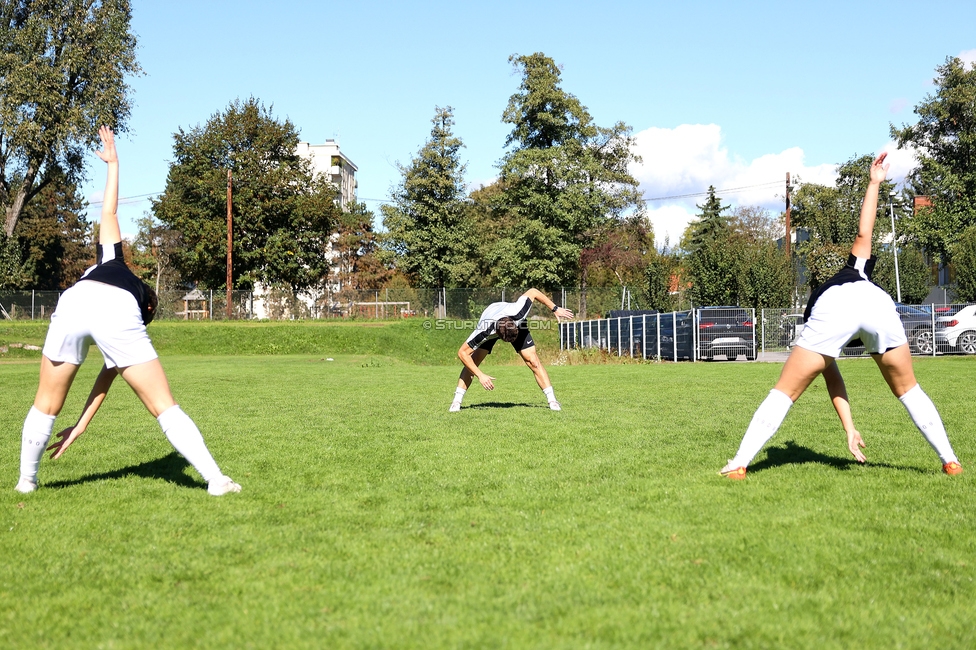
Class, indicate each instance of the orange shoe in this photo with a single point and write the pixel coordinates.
(736, 473)
(952, 468)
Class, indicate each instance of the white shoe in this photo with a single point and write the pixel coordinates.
(222, 485)
(555, 406)
(26, 486)
(455, 407)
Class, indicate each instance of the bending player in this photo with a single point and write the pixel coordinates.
(505, 321)
(846, 307)
(111, 307)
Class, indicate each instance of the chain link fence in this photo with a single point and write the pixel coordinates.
(697, 334)
(282, 304)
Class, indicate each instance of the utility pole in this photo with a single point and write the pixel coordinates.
(787, 215)
(230, 246)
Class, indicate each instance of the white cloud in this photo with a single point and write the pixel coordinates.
(688, 158)
(969, 56)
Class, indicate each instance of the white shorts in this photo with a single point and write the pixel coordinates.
(108, 316)
(849, 311)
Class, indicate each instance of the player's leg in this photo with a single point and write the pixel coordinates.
(801, 368)
(896, 367)
(148, 381)
(464, 381)
(530, 356)
(52, 389)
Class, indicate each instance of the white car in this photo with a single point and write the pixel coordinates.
(958, 331)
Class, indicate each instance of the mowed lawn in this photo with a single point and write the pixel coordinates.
(373, 518)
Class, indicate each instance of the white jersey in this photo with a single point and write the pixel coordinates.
(485, 331)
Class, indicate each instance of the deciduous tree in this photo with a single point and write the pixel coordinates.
(63, 67)
(945, 141)
(283, 215)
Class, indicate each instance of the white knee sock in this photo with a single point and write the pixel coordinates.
(183, 434)
(459, 394)
(550, 394)
(764, 425)
(926, 418)
(33, 442)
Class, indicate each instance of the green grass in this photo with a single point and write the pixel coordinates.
(372, 518)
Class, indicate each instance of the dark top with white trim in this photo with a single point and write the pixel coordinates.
(857, 269)
(111, 269)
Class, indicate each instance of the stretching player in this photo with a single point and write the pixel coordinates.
(111, 307)
(505, 321)
(846, 307)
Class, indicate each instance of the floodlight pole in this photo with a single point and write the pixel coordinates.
(894, 243)
(230, 245)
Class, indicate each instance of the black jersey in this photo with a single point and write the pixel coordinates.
(857, 269)
(111, 269)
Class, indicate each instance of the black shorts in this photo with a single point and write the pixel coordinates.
(522, 342)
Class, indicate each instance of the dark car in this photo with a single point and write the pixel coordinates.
(727, 331)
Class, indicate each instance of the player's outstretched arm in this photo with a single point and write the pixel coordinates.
(465, 354)
(838, 397)
(560, 312)
(869, 209)
(109, 232)
(98, 392)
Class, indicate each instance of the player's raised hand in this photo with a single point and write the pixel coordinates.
(879, 171)
(562, 312)
(486, 381)
(66, 437)
(108, 153)
(853, 442)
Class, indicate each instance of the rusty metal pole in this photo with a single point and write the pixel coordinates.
(230, 246)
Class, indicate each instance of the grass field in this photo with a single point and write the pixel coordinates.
(373, 518)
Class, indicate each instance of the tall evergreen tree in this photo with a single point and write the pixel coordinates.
(429, 230)
(714, 255)
(562, 177)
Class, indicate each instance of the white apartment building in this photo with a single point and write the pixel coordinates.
(328, 160)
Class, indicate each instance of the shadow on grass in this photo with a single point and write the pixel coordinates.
(168, 468)
(504, 405)
(791, 453)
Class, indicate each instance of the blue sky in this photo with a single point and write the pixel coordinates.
(731, 94)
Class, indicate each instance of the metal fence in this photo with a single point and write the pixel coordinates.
(282, 304)
(709, 333)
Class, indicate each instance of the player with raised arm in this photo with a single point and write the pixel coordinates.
(845, 307)
(505, 321)
(111, 307)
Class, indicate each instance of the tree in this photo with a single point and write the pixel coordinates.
(714, 255)
(766, 278)
(55, 237)
(964, 254)
(357, 264)
(710, 225)
(562, 178)
(913, 274)
(62, 74)
(945, 141)
(283, 215)
(154, 248)
(831, 216)
(428, 227)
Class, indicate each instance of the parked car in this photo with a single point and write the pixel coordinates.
(958, 331)
(918, 328)
(726, 331)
